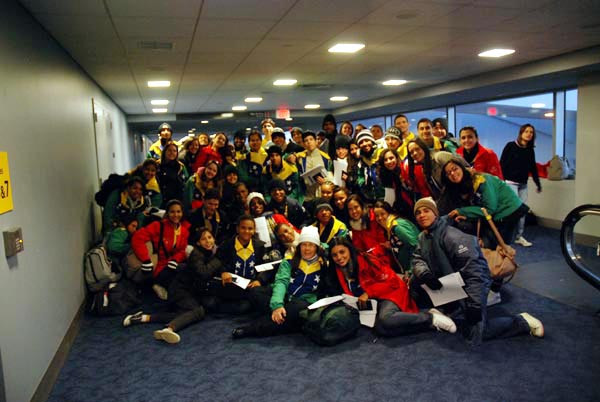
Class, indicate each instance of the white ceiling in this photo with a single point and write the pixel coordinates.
(225, 50)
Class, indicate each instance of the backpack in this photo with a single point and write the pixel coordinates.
(114, 181)
(559, 168)
(330, 325)
(98, 270)
(115, 299)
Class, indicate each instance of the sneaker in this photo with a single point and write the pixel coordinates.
(133, 319)
(167, 335)
(536, 328)
(523, 242)
(441, 321)
(161, 292)
(493, 298)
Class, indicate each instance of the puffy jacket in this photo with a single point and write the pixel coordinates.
(485, 161)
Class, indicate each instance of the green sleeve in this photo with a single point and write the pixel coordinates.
(408, 234)
(156, 199)
(188, 194)
(296, 188)
(450, 146)
(108, 213)
(280, 286)
(117, 242)
(489, 199)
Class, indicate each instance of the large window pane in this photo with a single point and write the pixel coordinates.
(571, 126)
(369, 122)
(498, 122)
(414, 117)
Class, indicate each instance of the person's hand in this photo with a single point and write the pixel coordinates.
(454, 214)
(278, 315)
(431, 281)
(226, 278)
(254, 284)
(344, 176)
(320, 180)
(362, 300)
(172, 264)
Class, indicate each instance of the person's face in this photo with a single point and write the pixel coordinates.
(242, 193)
(320, 139)
(132, 227)
(359, 128)
(328, 127)
(166, 134)
(354, 150)
(340, 255)
(327, 191)
(354, 210)
(416, 152)
(257, 207)
(439, 130)
(377, 132)
(278, 194)
(425, 217)
(210, 206)
(341, 153)
(339, 199)
(366, 146)
(149, 172)
(286, 234)
(203, 140)
(402, 124)
(239, 142)
(323, 216)
(297, 137)
(175, 213)
(206, 241)
(310, 143)
(193, 147)
(392, 142)
(453, 172)
(267, 128)
(275, 159)
(279, 141)
(468, 139)
(211, 171)
(346, 129)
(171, 152)
(232, 178)
(390, 161)
(220, 141)
(135, 191)
(424, 129)
(527, 134)
(245, 230)
(254, 142)
(308, 250)
(381, 216)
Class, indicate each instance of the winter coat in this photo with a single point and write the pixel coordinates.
(300, 281)
(517, 163)
(228, 255)
(485, 161)
(118, 206)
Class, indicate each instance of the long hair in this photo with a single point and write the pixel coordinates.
(163, 155)
(389, 177)
(365, 209)
(426, 161)
(345, 242)
(452, 194)
(530, 144)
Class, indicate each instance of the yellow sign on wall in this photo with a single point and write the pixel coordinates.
(6, 203)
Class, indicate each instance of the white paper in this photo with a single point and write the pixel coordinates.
(309, 176)
(263, 230)
(451, 290)
(266, 266)
(159, 213)
(325, 302)
(367, 317)
(240, 281)
(390, 196)
(339, 167)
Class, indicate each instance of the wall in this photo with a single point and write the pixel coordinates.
(48, 132)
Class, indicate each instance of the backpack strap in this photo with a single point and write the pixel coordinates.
(160, 240)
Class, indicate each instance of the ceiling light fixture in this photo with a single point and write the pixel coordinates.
(538, 105)
(160, 110)
(338, 98)
(204, 122)
(159, 84)
(346, 48)
(549, 114)
(288, 119)
(159, 102)
(285, 82)
(239, 108)
(312, 106)
(226, 114)
(394, 82)
(496, 53)
(253, 99)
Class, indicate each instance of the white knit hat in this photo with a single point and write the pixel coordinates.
(254, 195)
(309, 234)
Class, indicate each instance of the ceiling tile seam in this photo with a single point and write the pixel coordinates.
(248, 55)
(188, 53)
(124, 48)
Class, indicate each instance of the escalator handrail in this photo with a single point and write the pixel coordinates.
(567, 243)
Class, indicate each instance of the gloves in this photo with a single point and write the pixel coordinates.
(430, 280)
(172, 264)
(147, 266)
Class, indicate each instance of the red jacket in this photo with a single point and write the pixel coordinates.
(206, 155)
(419, 184)
(151, 233)
(380, 282)
(486, 161)
(371, 239)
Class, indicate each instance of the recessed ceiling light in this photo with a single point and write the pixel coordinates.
(288, 119)
(346, 48)
(394, 82)
(496, 53)
(285, 82)
(549, 114)
(538, 105)
(159, 102)
(253, 99)
(159, 84)
(160, 110)
(312, 106)
(338, 98)
(204, 122)
(226, 114)
(239, 108)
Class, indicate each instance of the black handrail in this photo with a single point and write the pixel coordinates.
(567, 242)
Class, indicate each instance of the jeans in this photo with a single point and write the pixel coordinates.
(520, 190)
(391, 321)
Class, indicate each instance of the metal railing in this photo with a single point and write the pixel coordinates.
(567, 243)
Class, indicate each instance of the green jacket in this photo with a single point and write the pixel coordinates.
(403, 236)
(118, 242)
(117, 206)
(499, 199)
(280, 287)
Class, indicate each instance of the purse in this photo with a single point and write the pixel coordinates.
(501, 261)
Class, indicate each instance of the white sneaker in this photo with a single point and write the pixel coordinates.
(160, 292)
(167, 335)
(441, 321)
(523, 242)
(536, 328)
(493, 298)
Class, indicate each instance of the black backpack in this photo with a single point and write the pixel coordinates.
(330, 325)
(114, 181)
(115, 299)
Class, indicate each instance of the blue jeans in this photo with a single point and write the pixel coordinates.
(391, 321)
(520, 190)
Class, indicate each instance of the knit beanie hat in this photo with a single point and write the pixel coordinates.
(241, 133)
(254, 195)
(309, 234)
(441, 120)
(274, 149)
(229, 169)
(365, 135)
(393, 132)
(294, 129)
(443, 157)
(322, 204)
(277, 184)
(427, 202)
(277, 132)
(342, 141)
(329, 118)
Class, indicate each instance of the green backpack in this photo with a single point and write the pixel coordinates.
(330, 325)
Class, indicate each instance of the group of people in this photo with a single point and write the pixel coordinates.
(270, 226)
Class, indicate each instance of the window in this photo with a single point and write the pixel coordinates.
(414, 117)
(570, 125)
(370, 121)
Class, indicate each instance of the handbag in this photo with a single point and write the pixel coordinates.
(501, 261)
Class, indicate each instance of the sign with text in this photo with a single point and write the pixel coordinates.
(6, 203)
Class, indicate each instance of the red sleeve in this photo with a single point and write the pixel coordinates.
(182, 241)
(376, 278)
(141, 237)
